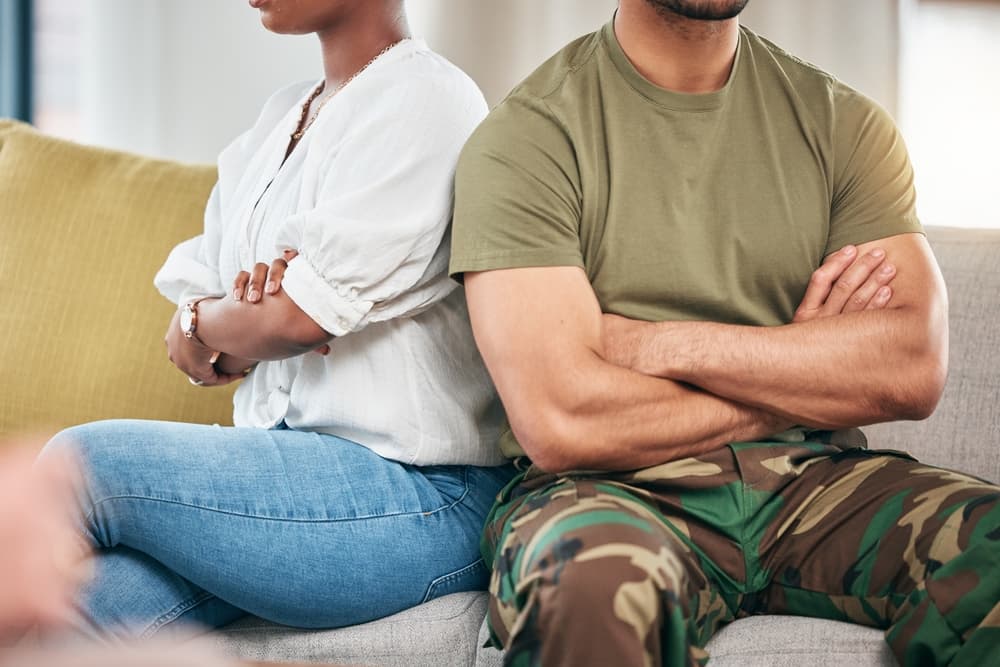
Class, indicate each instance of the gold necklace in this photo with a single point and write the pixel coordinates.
(304, 124)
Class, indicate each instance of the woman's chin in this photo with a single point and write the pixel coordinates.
(273, 22)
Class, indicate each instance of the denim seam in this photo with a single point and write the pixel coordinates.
(443, 508)
(448, 578)
(175, 613)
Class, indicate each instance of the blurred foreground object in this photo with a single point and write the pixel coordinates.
(44, 557)
(149, 654)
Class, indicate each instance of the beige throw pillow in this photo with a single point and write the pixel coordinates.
(82, 232)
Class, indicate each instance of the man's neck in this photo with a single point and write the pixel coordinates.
(674, 52)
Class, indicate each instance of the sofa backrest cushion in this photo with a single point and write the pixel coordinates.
(964, 431)
(82, 232)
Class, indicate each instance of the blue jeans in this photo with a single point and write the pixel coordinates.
(202, 524)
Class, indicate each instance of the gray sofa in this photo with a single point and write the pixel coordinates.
(964, 434)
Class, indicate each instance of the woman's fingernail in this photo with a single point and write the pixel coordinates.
(887, 269)
(254, 295)
(271, 287)
(849, 250)
(237, 294)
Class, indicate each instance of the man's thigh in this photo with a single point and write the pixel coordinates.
(874, 538)
(606, 533)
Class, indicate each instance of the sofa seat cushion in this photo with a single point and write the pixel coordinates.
(439, 633)
(776, 641)
(82, 232)
(787, 641)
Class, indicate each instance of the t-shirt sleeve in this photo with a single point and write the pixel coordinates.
(873, 193)
(517, 193)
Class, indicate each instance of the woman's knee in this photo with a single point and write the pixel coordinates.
(102, 447)
(99, 453)
(80, 442)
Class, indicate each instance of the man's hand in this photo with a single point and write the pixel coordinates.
(845, 283)
(197, 361)
(264, 279)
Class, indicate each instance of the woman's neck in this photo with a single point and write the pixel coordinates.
(354, 41)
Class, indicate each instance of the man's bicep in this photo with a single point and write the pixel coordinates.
(535, 327)
(918, 282)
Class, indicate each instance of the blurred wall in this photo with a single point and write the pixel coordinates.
(857, 41)
(499, 43)
(180, 78)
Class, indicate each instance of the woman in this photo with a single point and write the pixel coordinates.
(356, 481)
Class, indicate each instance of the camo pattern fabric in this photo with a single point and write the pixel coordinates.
(642, 567)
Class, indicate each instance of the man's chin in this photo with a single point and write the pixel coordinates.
(700, 10)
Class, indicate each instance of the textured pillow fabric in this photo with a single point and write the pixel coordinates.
(82, 232)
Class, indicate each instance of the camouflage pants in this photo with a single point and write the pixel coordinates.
(641, 568)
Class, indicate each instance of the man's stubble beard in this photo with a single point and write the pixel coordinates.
(699, 10)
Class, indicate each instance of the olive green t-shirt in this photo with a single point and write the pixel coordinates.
(714, 207)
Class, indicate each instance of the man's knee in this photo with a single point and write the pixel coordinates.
(610, 574)
(614, 586)
(622, 588)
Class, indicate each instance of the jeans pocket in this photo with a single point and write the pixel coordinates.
(472, 577)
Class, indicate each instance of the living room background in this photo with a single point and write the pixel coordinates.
(179, 78)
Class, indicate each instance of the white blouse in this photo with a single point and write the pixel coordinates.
(366, 200)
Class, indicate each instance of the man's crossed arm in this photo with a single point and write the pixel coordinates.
(856, 369)
(567, 373)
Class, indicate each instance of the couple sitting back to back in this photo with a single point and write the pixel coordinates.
(692, 266)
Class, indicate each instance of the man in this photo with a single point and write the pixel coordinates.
(637, 226)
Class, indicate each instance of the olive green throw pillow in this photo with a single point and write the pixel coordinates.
(82, 232)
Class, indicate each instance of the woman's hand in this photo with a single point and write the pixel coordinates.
(262, 279)
(266, 280)
(198, 362)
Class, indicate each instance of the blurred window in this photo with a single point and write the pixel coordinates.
(950, 108)
(57, 72)
(15, 59)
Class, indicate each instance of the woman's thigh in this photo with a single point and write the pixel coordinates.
(301, 528)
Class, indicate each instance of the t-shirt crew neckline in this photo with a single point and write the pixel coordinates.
(661, 96)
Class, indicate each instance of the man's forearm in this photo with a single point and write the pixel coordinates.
(850, 370)
(611, 418)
